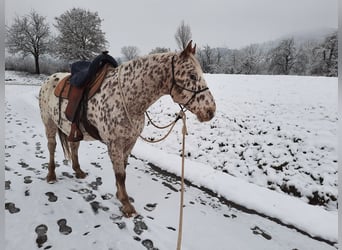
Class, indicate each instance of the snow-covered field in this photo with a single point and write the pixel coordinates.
(276, 132)
(269, 153)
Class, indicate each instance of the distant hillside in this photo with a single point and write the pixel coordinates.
(314, 35)
(301, 53)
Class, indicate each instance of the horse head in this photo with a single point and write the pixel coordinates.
(189, 88)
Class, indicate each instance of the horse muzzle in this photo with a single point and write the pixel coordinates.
(207, 114)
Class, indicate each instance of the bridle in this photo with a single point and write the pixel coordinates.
(174, 83)
(183, 107)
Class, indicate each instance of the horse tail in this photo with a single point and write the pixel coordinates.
(65, 144)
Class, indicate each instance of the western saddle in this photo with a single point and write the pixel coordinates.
(78, 87)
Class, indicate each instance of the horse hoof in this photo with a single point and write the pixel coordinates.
(51, 179)
(130, 215)
(81, 175)
(128, 211)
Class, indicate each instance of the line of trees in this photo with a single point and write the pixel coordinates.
(282, 58)
(79, 37)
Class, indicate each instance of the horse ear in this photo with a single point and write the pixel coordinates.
(194, 50)
(188, 50)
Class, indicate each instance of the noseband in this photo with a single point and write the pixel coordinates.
(174, 83)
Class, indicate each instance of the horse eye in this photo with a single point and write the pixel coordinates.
(193, 77)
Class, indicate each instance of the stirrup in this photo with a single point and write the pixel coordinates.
(75, 133)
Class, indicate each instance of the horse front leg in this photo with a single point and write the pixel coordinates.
(119, 156)
(127, 208)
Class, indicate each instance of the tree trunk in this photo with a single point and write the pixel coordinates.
(36, 62)
(286, 65)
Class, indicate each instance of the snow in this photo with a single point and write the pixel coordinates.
(311, 219)
(268, 130)
(246, 106)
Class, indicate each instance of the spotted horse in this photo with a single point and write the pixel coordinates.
(117, 110)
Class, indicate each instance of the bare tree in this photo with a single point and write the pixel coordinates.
(206, 58)
(183, 35)
(251, 57)
(210, 59)
(80, 35)
(301, 63)
(283, 57)
(325, 57)
(29, 35)
(130, 52)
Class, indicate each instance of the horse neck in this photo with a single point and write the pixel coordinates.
(145, 80)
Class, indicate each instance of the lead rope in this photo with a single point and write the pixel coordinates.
(181, 203)
(182, 116)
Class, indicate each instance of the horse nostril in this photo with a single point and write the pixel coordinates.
(210, 113)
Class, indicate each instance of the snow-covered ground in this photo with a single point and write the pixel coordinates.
(276, 132)
(272, 136)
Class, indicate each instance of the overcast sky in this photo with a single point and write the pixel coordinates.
(231, 23)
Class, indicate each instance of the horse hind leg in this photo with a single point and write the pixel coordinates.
(70, 150)
(50, 131)
(75, 163)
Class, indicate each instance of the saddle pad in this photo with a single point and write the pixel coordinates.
(63, 87)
